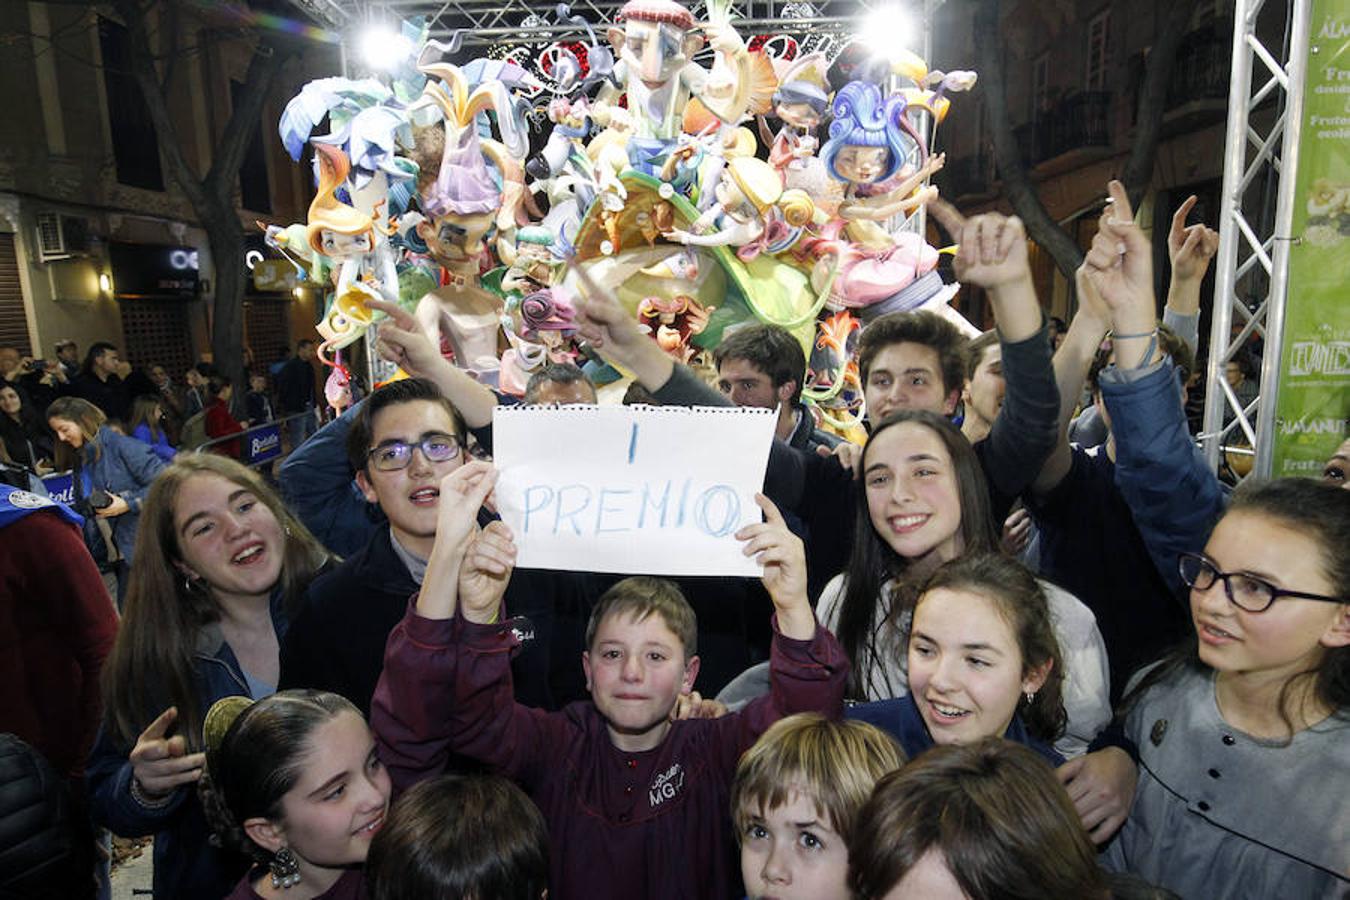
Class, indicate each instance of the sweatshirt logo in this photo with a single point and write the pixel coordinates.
(666, 785)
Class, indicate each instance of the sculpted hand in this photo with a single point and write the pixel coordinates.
(1190, 247)
(993, 247)
(783, 557)
(1101, 786)
(160, 764)
(485, 573)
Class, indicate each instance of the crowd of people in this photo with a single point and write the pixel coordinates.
(982, 660)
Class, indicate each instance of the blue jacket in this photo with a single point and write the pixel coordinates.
(186, 865)
(1172, 492)
(317, 483)
(163, 449)
(900, 718)
(122, 466)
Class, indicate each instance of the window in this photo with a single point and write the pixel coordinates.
(13, 318)
(135, 147)
(1098, 50)
(1040, 86)
(255, 193)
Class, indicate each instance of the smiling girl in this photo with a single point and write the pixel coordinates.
(293, 782)
(1244, 739)
(924, 503)
(983, 662)
(219, 564)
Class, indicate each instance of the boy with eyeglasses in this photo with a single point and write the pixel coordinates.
(400, 442)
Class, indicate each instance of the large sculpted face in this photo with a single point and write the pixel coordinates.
(456, 239)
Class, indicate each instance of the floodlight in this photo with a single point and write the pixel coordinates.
(888, 29)
(382, 47)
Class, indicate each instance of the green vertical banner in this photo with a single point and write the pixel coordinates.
(1313, 407)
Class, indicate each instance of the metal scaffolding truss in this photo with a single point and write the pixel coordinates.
(1252, 267)
(515, 22)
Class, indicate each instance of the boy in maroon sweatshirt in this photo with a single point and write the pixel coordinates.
(637, 805)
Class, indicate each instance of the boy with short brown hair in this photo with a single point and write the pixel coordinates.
(636, 804)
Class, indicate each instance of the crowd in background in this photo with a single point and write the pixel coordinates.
(983, 659)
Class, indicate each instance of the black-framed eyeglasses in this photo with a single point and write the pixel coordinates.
(394, 455)
(1245, 591)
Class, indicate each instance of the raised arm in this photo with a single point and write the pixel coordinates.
(1174, 497)
(1189, 249)
(405, 342)
(1073, 359)
(993, 255)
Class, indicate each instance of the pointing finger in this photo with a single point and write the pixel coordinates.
(401, 317)
(157, 729)
(1179, 217)
(1122, 212)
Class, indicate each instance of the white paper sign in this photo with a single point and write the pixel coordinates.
(631, 489)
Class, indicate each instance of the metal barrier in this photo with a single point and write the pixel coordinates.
(258, 445)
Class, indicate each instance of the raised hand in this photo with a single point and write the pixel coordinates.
(1090, 303)
(404, 342)
(993, 247)
(1120, 267)
(463, 493)
(1190, 247)
(1120, 261)
(607, 326)
(485, 573)
(159, 763)
(783, 557)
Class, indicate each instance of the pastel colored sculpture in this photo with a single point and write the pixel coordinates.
(349, 238)
(870, 141)
(655, 43)
(535, 267)
(800, 102)
(673, 321)
(752, 212)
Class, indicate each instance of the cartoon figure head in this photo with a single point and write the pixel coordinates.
(336, 229)
(656, 40)
(752, 186)
(869, 137)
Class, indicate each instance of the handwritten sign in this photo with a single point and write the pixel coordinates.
(631, 489)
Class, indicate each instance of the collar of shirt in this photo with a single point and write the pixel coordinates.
(417, 567)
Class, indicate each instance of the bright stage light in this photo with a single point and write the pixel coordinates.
(888, 29)
(382, 47)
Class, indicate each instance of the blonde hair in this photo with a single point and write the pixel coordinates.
(836, 763)
(759, 183)
(326, 211)
(82, 413)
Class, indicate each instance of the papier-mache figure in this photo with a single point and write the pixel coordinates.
(655, 45)
(800, 102)
(535, 267)
(463, 204)
(349, 238)
(870, 141)
(673, 322)
(752, 213)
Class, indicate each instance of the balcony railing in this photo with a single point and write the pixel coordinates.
(1203, 65)
(1077, 122)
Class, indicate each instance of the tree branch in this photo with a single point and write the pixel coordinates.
(143, 67)
(1017, 184)
(1161, 61)
(267, 61)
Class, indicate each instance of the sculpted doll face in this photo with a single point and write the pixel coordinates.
(456, 239)
(341, 246)
(861, 165)
(800, 115)
(654, 51)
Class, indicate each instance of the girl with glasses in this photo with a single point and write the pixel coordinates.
(1244, 738)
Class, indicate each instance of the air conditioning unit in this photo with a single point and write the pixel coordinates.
(61, 237)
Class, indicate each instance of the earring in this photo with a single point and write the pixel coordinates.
(188, 584)
(1031, 695)
(285, 869)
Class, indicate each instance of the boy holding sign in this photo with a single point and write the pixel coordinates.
(636, 804)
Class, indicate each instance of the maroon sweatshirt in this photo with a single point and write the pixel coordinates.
(622, 825)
